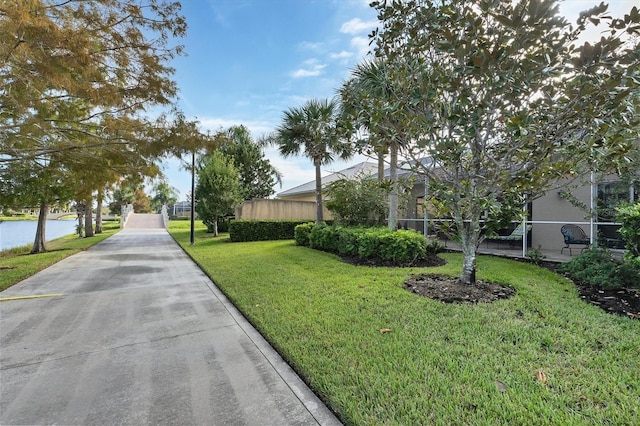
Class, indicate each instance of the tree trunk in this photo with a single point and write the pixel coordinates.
(469, 233)
(99, 212)
(319, 217)
(381, 167)
(215, 228)
(393, 195)
(39, 245)
(80, 225)
(468, 275)
(88, 218)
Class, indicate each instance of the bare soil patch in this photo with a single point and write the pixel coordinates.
(450, 290)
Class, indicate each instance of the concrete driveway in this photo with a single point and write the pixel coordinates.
(132, 332)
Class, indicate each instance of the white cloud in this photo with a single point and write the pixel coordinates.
(296, 170)
(301, 72)
(311, 68)
(257, 128)
(308, 45)
(342, 55)
(361, 44)
(357, 25)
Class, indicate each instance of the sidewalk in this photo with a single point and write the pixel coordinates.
(133, 332)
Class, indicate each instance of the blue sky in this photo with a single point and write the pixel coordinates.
(250, 60)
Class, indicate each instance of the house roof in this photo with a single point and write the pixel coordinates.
(364, 168)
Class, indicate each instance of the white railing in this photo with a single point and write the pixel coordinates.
(165, 216)
(125, 213)
(593, 225)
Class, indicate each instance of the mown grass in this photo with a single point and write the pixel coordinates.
(16, 264)
(16, 218)
(441, 363)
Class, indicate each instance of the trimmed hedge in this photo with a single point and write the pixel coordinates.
(302, 233)
(262, 230)
(402, 247)
(399, 247)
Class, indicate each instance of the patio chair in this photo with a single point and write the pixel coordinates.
(516, 235)
(573, 234)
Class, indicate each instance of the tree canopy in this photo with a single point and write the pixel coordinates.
(311, 130)
(218, 190)
(257, 175)
(503, 101)
(77, 79)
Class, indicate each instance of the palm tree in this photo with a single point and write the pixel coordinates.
(368, 95)
(311, 130)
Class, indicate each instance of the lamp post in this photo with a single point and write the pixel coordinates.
(193, 195)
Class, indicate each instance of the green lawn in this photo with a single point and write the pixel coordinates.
(441, 363)
(17, 264)
(16, 218)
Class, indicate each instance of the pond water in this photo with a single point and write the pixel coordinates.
(22, 232)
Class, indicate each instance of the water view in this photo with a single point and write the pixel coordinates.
(22, 232)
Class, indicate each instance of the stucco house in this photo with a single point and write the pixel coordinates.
(547, 214)
(299, 203)
(307, 191)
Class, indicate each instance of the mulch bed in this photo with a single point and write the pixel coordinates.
(625, 302)
(450, 290)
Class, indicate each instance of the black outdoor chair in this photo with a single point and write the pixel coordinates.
(573, 234)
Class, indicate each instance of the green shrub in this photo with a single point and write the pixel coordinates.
(325, 238)
(535, 256)
(400, 247)
(302, 233)
(357, 201)
(262, 230)
(629, 216)
(597, 267)
(396, 247)
(223, 224)
(434, 246)
(349, 240)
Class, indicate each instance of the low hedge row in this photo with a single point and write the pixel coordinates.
(403, 247)
(262, 230)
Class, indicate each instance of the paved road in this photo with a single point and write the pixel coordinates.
(139, 336)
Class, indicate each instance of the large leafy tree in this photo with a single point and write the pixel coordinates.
(76, 77)
(503, 99)
(163, 194)
(218, 190)
(311, 130)
(257, 175)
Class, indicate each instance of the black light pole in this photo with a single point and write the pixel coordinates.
(193, 195)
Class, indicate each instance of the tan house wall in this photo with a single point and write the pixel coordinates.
(552, 207)
(262, 209)
(299, 197)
